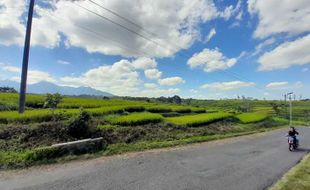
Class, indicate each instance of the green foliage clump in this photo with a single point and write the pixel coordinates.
(252, 117)
(198, 119)
(136, 119)
(52, 100)
(80, 126)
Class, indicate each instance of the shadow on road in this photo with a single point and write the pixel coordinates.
(302, 150)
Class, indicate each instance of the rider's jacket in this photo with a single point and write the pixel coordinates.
(293, 133)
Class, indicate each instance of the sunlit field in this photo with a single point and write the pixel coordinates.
(129, 125)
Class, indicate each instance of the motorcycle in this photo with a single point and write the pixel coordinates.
(292, 145)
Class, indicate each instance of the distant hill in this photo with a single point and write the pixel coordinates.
(47, 87)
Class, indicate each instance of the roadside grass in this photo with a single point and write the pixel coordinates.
(22, 159)
(252, 117)
(136, 119)
(198, 119)
(297, 178)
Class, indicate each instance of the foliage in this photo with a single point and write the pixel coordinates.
(7, 90)
(52, 100)
(198, 119)
(80, 126)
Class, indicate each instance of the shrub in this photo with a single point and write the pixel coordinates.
(52, 100)
(80, 125)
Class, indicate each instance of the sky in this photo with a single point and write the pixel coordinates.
(200, 49)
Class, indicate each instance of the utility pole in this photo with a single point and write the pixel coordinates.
(290, 98)
(23, 83)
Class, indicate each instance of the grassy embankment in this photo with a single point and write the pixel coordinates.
(297, 178)
(124, 125)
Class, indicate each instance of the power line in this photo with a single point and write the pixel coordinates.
(146, 38)
(103, 37)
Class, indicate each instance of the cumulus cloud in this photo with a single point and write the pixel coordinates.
(171, 81)
(144, 63)
(121, 78)
(211, 60)
(152, 74)
(11, 69)
(171, 21)
(11, 28)
(278, 16)
(34, 76)
(228, 85)
(286, 55)
(150, 85)
(210, 35)
(277, 85)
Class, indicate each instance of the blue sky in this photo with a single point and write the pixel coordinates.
(193, 48)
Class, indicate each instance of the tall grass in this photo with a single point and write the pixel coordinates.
(136, 119)
(198, 119)
(252, 117)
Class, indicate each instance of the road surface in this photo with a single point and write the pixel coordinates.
(249, 163)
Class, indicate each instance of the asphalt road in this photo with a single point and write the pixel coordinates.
(252, 162)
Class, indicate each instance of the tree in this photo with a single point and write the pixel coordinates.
(52, 100)
(176, 99)
(7, 90)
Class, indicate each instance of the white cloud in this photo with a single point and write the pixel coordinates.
(210, 35)
(284, 85)
(11, 69)
(171, 81)
(121, 78)
(278, 16)
(152, 74)
(150, 85)
(286, 55)
(228, 85)
(63, 62)
(171, 21)
(306, 69)
(34, 76)
(259, 48)
(11, 28)
(239, 16)
(211, 60)
(144, 63)
(277, 85)
(230, 11)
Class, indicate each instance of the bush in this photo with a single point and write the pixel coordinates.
(80, 126)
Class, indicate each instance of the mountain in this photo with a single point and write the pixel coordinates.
(47, 87)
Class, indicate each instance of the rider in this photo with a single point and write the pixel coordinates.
(292, 133)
